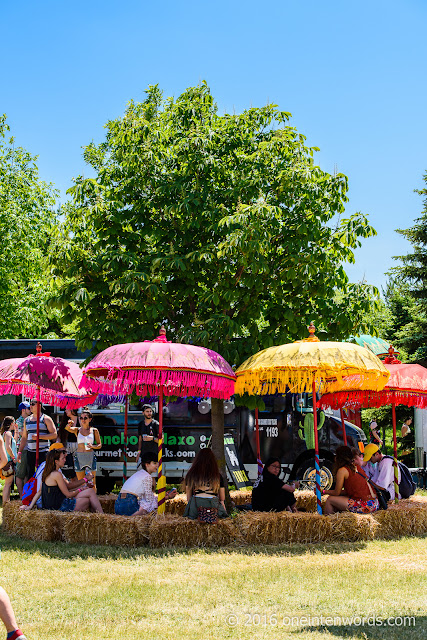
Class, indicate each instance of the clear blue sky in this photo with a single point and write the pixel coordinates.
(351, 73)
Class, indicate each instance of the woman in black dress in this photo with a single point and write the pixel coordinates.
(272, 494)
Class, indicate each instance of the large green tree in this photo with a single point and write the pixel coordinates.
(221, 226)
(26, 222)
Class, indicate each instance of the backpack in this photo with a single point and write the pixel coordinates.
(29, 491)
(406, 486)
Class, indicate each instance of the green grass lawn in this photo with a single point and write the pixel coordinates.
(64, 592)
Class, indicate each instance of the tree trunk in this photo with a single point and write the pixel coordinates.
(217, 444)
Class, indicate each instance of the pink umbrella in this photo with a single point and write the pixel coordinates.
(159, 368)
(52, 380)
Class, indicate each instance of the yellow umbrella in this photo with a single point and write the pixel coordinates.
(311, 365)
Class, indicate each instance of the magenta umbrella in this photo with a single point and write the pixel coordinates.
(159, 368)
(51, 380)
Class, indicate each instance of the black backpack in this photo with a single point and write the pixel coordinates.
(406, 486)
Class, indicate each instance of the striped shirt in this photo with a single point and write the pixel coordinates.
(31, 425)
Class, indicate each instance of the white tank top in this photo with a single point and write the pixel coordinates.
(89, 439)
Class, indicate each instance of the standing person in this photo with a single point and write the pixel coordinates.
(374, 435)
(137, 497)
(406, 427)
(69, 440)
(148, 432)
(56, 492)
(88, 441)
(204, 486)
(8, 618)
(21, 467)
(29, 438)
(352, 491)
(384, 476)
(10, 445)
(272, 494)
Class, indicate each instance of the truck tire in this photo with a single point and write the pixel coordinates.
(307, 473)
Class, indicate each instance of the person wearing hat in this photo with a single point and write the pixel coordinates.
(383, 478)
(148, 432)
(21, 467)
(73, 483)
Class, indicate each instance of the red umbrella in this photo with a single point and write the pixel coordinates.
(159, 368)
(407, 385)
(51, 380)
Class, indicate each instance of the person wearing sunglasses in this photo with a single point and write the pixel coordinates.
(88, 441)
(270, 493)
(47, 434)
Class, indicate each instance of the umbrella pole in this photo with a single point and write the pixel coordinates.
(258, 449)
(125, 453)
(161, 482)
(316, 452)
(344, 433)
(396, 469)
(38, 427)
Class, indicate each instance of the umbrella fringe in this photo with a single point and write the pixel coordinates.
(175, 383)
(47, 397)
(376, 399)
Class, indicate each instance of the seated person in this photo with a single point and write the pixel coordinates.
(269, 493)
(204, 486)
(352, 491)
(137, 497)
(383, 478)
(73, 483)
(56, 494)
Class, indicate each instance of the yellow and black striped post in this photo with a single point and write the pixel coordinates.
(161, 482)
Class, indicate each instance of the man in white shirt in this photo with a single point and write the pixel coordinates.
(384, 476)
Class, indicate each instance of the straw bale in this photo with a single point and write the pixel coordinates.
(39, 524)
(407, 518)
(241, 497)
(352, 527)
(101, 528)
(177, 505)
(170, 530)
(10, 514)
(142, 524)
(279, 528)
(107, 502)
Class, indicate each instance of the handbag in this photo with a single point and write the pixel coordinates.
(8, 469)
(207, 515)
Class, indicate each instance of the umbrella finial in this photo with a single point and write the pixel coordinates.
(311, 330)
(391, 358)
(39, 351)
(39, 347)
(162, 335)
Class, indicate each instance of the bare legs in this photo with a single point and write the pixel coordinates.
(88, 498)
(6, 612)
(6, 489)
(334, 504)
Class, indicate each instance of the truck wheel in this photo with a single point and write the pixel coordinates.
(307, 474)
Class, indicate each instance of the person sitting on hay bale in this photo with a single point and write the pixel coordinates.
(384, 476)
(56, 494)
(204, 487)
(269, 493)
(73, 482)
(352, 491)
(137, 497)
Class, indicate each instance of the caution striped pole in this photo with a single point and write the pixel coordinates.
(161, 482)
(316, 452)
(396, 469)
(125, 448)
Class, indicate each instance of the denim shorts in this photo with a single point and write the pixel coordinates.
(83, 460)
(126, 505)
(68, 504)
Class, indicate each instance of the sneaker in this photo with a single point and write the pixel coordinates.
(17, 635)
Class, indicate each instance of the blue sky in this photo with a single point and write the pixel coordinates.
(351, 73)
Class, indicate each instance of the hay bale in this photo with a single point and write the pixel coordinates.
(353, 527)
(107, 502)
(175, 531)
(38, 524)
(100, 528)
(176, 505)
(241, 497)
(407, 518)
(142, 524)
(284, 527)
(10, 514)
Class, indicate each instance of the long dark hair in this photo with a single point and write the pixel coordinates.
(62, 432)
(6, 424)
(51, 457)
(344, 457)
(204, 472)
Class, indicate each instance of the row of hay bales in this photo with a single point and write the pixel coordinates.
(408, 518)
